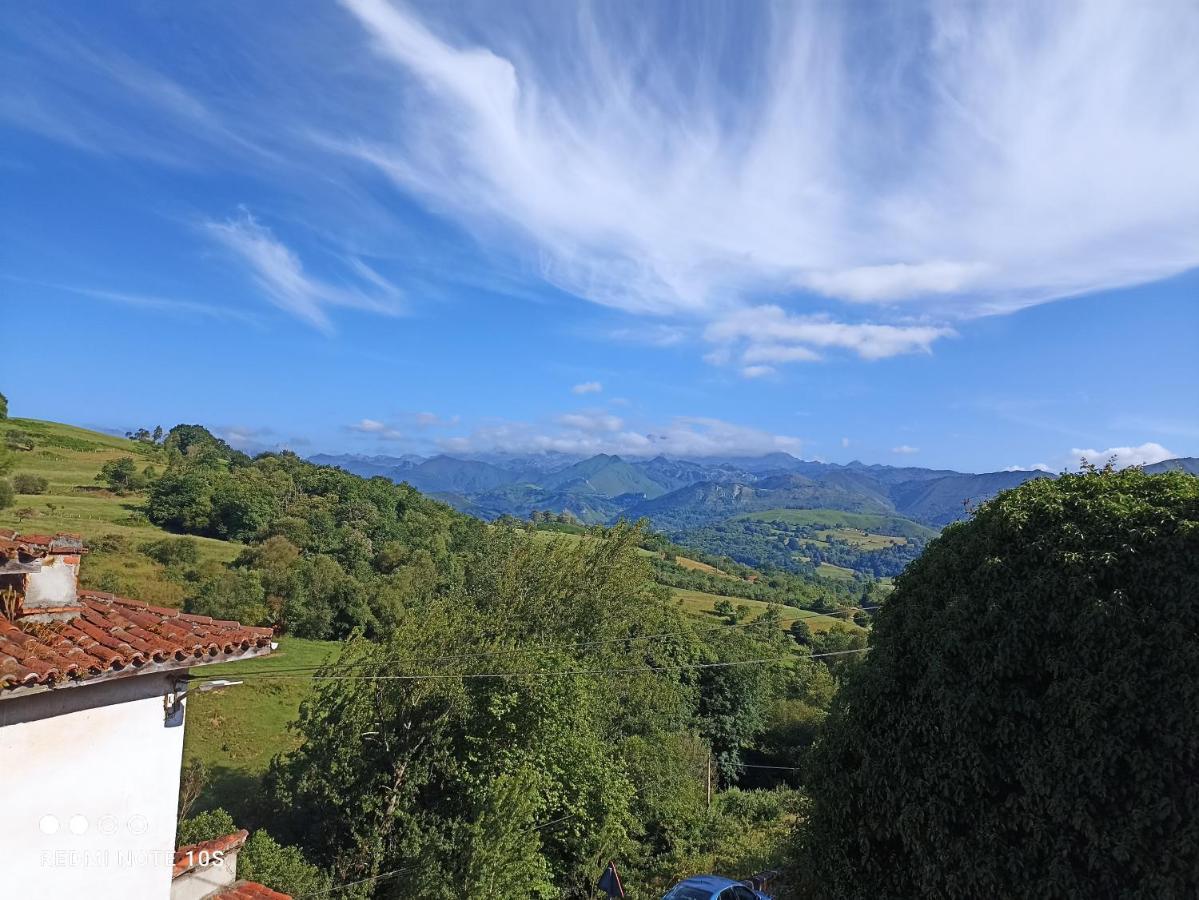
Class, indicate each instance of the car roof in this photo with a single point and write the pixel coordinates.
(713, 882)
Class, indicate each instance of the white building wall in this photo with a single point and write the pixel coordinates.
(89, 784)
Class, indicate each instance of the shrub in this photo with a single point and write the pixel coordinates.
(18, 440)
(121, 476)
(205, 826)
(26, 483)
(1027, 723)
(280, 867)
(236, 595)
(173, 551)
(7, 494)
(109, 543)
(801, 632)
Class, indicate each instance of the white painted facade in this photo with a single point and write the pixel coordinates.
(89, 783)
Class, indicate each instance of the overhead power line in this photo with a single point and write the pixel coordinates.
(450, 676)
(349, 884)
(753, 766)
(535, 648)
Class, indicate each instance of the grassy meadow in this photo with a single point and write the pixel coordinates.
(113, 526)
(701, 603)
(235, 731)
(831, 519)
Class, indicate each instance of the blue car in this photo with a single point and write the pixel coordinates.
(713, 887)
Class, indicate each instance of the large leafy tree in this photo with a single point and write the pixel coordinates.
(1027, 723)
(571, 751)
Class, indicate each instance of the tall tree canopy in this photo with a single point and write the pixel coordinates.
(1027, 723)
(586, 739)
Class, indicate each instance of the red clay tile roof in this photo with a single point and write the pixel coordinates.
(188, 856)
(248, 890)
(113, 635)
(13, 543)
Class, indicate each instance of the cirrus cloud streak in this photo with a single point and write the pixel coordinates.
(983, 158)
(588, 434)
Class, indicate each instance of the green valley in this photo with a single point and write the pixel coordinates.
(826, 542)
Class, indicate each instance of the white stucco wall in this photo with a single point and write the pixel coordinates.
(89, 783)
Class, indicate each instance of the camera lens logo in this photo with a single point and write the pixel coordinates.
(48, 824)
(138, 824)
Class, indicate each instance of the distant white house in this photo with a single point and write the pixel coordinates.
(92, 702)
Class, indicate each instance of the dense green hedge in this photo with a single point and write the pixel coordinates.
(1027, 724)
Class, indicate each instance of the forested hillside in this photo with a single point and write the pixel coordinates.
(804, 540)
(619, 765)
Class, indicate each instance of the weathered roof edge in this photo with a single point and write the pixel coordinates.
(131, 672)
(117, 637)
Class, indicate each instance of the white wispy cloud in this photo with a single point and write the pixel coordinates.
(1144, 455)
(587, 387)
(1035, 467)
(591, 422)
(767, 334)
(252, 439)
(1004, 155)
(279, 273)
(432, 420)
(898, 281)
(651, 334)
(379, 429)
(778, 353)
(687, 436)
(905, 449)
(174, 305)
(923, 167)
(757, 371)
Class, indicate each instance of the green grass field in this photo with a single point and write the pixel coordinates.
(694, 564)
(864, 539)
(832, 519)
(701, 603)
(236, 731)
(70, 458)
(828, 570)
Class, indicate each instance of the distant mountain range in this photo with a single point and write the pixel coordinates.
(676, 494)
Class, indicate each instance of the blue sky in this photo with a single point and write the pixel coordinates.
(939, 235)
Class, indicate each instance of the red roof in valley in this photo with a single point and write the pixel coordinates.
(111, 635)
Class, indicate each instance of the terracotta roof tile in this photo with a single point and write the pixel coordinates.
(248, 890)
(187, 857)
(13, 543)
(112, 634)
